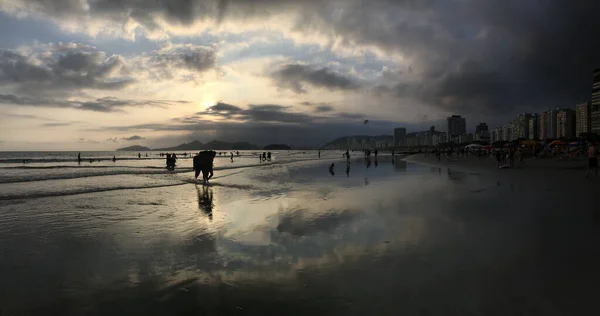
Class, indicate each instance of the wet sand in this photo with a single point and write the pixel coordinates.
(395, 238)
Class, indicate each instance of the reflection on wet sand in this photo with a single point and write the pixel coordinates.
(205, 200)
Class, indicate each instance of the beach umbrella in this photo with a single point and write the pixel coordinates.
(557, 143)
(529, 142)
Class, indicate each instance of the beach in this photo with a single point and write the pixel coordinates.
(389, 236)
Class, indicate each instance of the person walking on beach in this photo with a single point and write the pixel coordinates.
(231, 156)
(139, 155)
(592, 160)
(203, 162)
(319, 154)
(331, 171)
(114, 159)
(499, 157)
(79, 158)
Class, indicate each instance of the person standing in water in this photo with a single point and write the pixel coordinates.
(79, 158)
(231, 156)
(203, 162)
(114, 159)
(139, 155)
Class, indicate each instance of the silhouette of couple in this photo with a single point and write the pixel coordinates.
(203, 162)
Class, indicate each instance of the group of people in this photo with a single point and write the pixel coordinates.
(203, 162)
(171, 161)
(265, 156)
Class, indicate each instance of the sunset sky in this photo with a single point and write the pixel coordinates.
(103, 74)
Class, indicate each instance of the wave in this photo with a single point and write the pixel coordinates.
(111, 171)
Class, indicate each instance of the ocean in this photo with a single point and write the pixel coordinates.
(290, 237)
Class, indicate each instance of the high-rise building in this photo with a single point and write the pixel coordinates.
(457, 125)
(595, 106)
(548, 124)
(496, 135)
(565, 124)
(534, 126)
(482, 127)
(521, 126)
(399, 136)
(507, 132)
(583, 122)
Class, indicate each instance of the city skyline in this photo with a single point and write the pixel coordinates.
(103, 74)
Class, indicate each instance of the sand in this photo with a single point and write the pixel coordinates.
(396, 238)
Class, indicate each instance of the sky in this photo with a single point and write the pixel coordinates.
(104, 74)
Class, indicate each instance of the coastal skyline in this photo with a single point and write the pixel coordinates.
(98, 75)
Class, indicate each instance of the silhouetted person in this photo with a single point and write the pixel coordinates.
(173, 161)
(168, 161)
(269, 156)
(347, 156)
(79, 158)
(114, 159)
(231, 156)
(375, 153)
(139, 155)
(368, 162)
(237, 153)
(91, 160)
(319, 154)
(146, 154)
(331, 171)
(264, 156)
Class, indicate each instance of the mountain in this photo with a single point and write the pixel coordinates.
(277, 147)
(214, 145)
(134, 148)
(195, 145)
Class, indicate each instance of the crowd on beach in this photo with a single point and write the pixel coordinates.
(512, 155)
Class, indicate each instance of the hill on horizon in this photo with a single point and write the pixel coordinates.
(214, 144)
(134, 148)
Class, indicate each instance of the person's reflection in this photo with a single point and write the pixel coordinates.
(376, 163)
(367, 181)
(368, 162)
(205, 200)
(347, 170)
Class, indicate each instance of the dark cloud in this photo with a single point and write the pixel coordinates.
(61, 67)
(255, 113)
(106, 104)
(469, 56)
(56, 124)
(263, 124)
(134, 137)
(113, 140)
(323, 108)
(295, 77)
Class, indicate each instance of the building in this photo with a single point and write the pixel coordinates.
(457, 125)
(595, 103)
(534, 130)
(465, 138)
(583, 118)
(482, 127)
(496, 135)
(399, 136)
(548, 124)
(565, 124)
(507, 134)
(483, 136)
(382, 144)
(521, 126)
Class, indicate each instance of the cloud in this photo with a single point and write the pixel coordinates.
(106, 104)
(113, 140)
(464, 56)
(295, 77)
(323, 108)
(56, 124)
(134, 137)
(259, 124)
